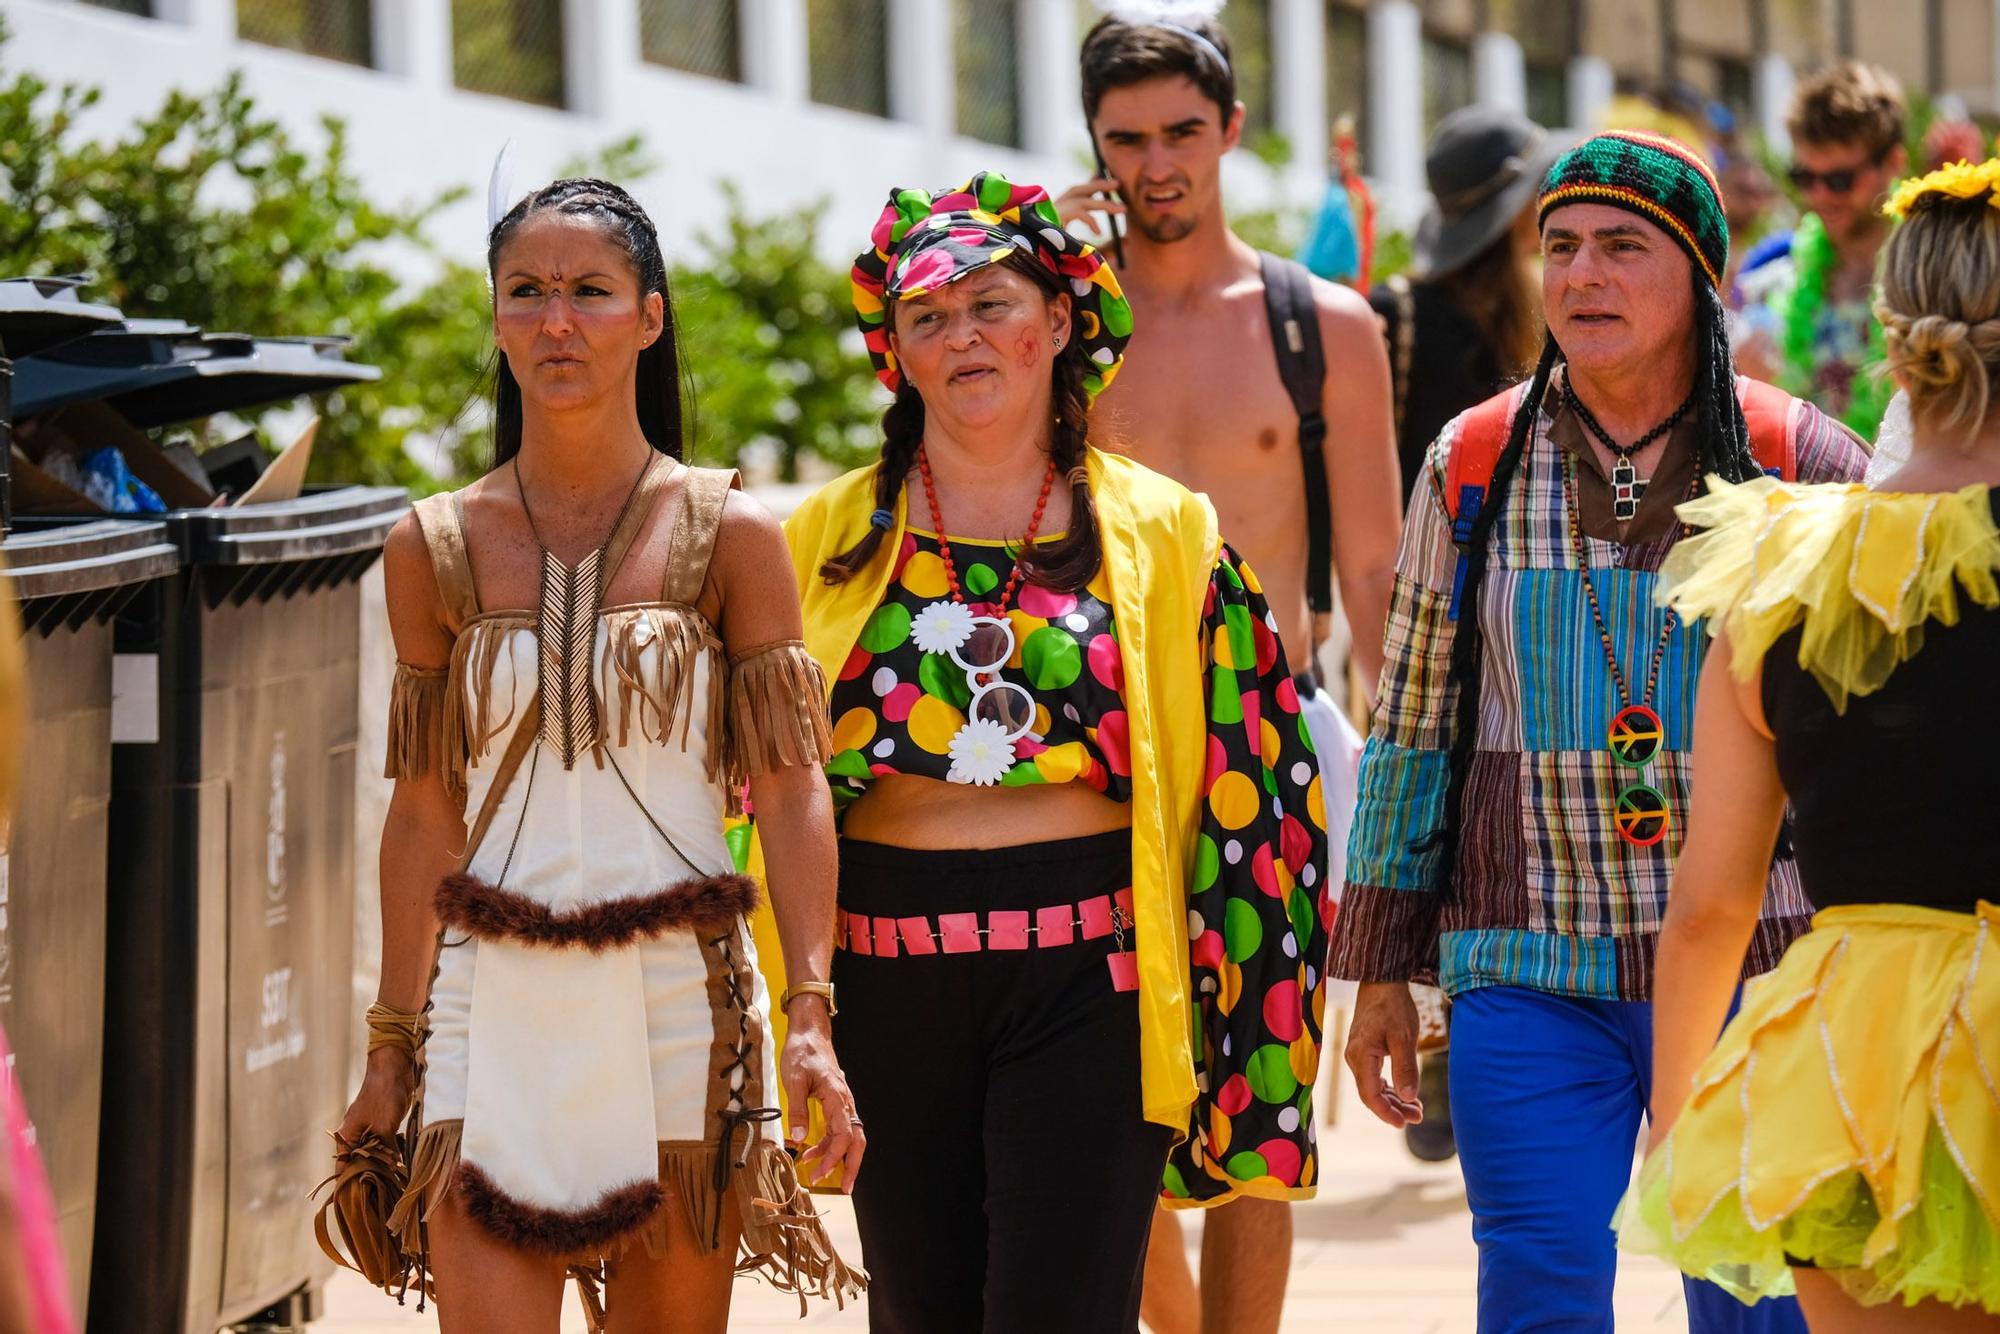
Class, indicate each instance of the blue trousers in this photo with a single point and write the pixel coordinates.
(1547, 1094)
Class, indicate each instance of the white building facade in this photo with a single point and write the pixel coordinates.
(796, 101)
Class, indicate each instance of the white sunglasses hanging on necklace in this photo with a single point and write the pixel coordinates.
(999, 714)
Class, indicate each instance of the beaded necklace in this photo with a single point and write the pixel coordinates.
(1636, 733)
(1627, 487)
(944, 543)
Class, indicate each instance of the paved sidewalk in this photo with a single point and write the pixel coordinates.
(1386, 1248)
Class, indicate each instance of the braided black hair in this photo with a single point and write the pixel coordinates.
(1068, 562)
(660, 386)
(1723, 448)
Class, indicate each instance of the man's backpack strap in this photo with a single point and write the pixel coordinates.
(1773, 418)
(1288, 300)
(1475, 450)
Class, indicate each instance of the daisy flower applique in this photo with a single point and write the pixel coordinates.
(981, 754)
(942, 626)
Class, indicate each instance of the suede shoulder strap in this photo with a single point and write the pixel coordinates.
(703, 496)
(441, 519)
(645, 498)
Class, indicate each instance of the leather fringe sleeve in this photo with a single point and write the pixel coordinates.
(777, 712)
(419, 727)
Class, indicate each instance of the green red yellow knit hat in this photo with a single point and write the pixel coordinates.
(1660, 179)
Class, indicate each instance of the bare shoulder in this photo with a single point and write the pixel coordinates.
(1346, 321)
(748, 531)
(751, 573)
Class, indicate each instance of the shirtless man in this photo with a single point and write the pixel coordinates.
(1200, 399)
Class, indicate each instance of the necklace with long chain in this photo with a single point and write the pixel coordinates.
(566, 629)
(1627, 487)
(944, 543)
(1636, 734)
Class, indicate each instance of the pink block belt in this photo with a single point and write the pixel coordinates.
(965, 933)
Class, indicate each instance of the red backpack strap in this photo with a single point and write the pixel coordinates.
(1468, 470)
(1773, 418)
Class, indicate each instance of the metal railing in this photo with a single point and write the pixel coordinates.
(847, 47)
(335, 29)
(511, 48)
(1248, 23)
(699, 36)
(988, 46)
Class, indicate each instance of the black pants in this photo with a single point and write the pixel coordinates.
(1011, 1176)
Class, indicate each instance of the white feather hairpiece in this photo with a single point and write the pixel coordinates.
(1173, 15)
(500, 195)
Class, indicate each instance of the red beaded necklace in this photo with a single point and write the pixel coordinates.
(944, 543)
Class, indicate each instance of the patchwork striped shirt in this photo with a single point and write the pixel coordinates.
(1544, 893)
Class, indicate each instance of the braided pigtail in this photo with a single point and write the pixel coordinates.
(1468, 643)
(1724, 435)
(902, 434)
(1072, 561)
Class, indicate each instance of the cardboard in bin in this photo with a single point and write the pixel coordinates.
(88, 426)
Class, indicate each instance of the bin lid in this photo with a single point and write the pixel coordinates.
(37, 314)
(159, 372)
(85, 557)
(325, 521)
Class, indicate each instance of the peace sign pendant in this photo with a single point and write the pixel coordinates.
(1634, 739)
(1635, 735)
(1641, 816)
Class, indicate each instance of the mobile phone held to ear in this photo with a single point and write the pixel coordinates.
(1115, 221)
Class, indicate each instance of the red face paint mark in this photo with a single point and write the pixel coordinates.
(1028, 351)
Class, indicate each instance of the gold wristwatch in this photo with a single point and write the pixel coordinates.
(798, 989)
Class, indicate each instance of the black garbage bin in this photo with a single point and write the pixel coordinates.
(70, 584)
(231, 900)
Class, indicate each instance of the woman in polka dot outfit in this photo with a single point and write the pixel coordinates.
(1082, 899)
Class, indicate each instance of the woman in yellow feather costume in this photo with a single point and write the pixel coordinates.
(1843, 1137)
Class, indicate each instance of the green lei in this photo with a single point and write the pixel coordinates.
(1798, 312)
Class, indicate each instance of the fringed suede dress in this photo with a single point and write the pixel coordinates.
(599, 1050)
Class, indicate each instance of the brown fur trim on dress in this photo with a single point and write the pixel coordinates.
(488, 912)
(558, 1232)
(783, 1239)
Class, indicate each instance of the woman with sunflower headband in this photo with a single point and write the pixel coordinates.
(1843, 1137)
(1082, 900)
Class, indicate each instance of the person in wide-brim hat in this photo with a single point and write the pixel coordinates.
(1467, 320)
(1485, 166)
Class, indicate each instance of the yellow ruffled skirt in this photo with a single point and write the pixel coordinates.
(1849, 1117)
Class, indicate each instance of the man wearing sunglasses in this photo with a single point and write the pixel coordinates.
(1806, 322)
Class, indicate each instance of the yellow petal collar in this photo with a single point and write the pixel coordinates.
(1863, 571)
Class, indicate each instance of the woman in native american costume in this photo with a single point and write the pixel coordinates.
(570, 1012)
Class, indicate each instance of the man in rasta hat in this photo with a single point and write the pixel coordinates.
(1522, 791)
(1206, 398)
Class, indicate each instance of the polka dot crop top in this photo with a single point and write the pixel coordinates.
(903, 705)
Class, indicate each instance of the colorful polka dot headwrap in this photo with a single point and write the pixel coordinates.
(923, 242)
(1660, 179)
